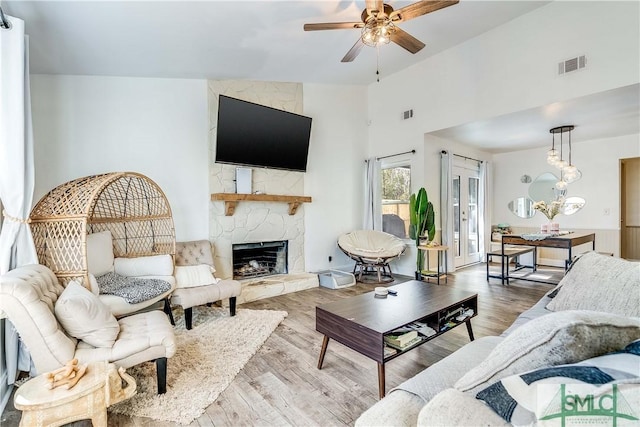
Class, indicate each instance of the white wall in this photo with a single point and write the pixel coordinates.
(159, 127)
(510, 68)
(335, 174)
(86, 125)
(598, 160)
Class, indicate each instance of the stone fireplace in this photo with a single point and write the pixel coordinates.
(257, 221)
(251, 260)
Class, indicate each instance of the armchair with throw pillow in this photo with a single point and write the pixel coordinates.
(196, 284)
(58, 324)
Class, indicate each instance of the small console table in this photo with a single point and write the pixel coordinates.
(231, 200)
(442, 269)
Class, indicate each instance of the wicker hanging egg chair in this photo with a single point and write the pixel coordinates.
(129, 205)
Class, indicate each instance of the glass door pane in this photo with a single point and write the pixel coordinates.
(472, 237)
(456, 214)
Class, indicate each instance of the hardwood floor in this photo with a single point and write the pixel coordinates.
(281, 384)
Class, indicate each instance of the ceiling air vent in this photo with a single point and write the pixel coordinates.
(572, 64)
(407, 114)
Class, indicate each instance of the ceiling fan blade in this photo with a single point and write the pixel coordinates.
(406, 40)
(374, 5)
(353, 52)
(333, 26)
(420, 8)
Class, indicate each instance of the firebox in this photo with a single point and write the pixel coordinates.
(259, 259)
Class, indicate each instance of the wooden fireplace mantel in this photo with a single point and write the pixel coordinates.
(231, 200)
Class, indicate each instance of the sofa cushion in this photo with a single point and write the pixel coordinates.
(600, 283)
(190, 276)
(85, 317)
(552, 339)
(522, 399)
(158, 265)
(446, 372)
(100, 253)
(452, 407)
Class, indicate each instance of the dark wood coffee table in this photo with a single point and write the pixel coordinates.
(362, 321)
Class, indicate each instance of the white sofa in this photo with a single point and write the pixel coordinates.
(595, 309)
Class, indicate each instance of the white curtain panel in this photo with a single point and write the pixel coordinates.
(446, 206)
(484, 213)
(372, 196)
(16, 172)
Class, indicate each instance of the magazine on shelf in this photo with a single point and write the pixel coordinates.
(410, 344)
(402, 339)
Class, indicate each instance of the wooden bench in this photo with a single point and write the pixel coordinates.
(505, 259)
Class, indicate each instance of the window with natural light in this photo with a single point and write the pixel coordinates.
(396, 190)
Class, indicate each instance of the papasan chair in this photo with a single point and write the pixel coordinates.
(372, 250)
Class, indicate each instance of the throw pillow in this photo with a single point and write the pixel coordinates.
(154, 265)
(522, 399)
(85, 317)
(100, 253)
(191, 276)
(552, 339)
(600, 283)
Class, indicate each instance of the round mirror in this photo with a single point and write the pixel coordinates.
(572, 205)
(544, 188)
(522, 207)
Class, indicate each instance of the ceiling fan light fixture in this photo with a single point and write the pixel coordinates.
(377, 31)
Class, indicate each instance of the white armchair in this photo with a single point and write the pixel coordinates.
(28, 297)
(199, 253)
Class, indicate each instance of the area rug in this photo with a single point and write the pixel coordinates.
(207, 359)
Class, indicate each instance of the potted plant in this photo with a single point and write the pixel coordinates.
(422, 225)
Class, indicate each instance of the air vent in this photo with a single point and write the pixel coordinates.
(407, 114)
(572, 64)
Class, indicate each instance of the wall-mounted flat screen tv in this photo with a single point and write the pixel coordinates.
(249, 134)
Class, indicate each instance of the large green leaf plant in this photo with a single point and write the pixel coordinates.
(422, 223)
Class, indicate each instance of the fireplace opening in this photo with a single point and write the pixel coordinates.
(259, 259)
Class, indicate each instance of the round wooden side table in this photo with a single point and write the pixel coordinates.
(41, 406)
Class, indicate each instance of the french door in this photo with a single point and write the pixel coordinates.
(466, 224)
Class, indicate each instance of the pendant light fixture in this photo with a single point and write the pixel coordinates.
(568, 171)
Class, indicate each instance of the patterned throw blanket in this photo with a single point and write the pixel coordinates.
(133, 290)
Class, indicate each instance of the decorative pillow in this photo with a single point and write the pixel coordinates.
(85, 317)
(133, 290)
(552, 339)
(600, 283)
(191, 276)
(522, 399)
(100, 253)
(155, 265)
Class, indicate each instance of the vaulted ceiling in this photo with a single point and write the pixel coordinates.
(253, 40)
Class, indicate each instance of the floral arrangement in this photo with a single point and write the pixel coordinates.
(549, 210)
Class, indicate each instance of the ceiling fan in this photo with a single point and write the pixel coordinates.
(378, 25)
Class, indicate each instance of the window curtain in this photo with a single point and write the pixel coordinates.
(484, 212)
(372, 198)
(446, 206)
(16, 178)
